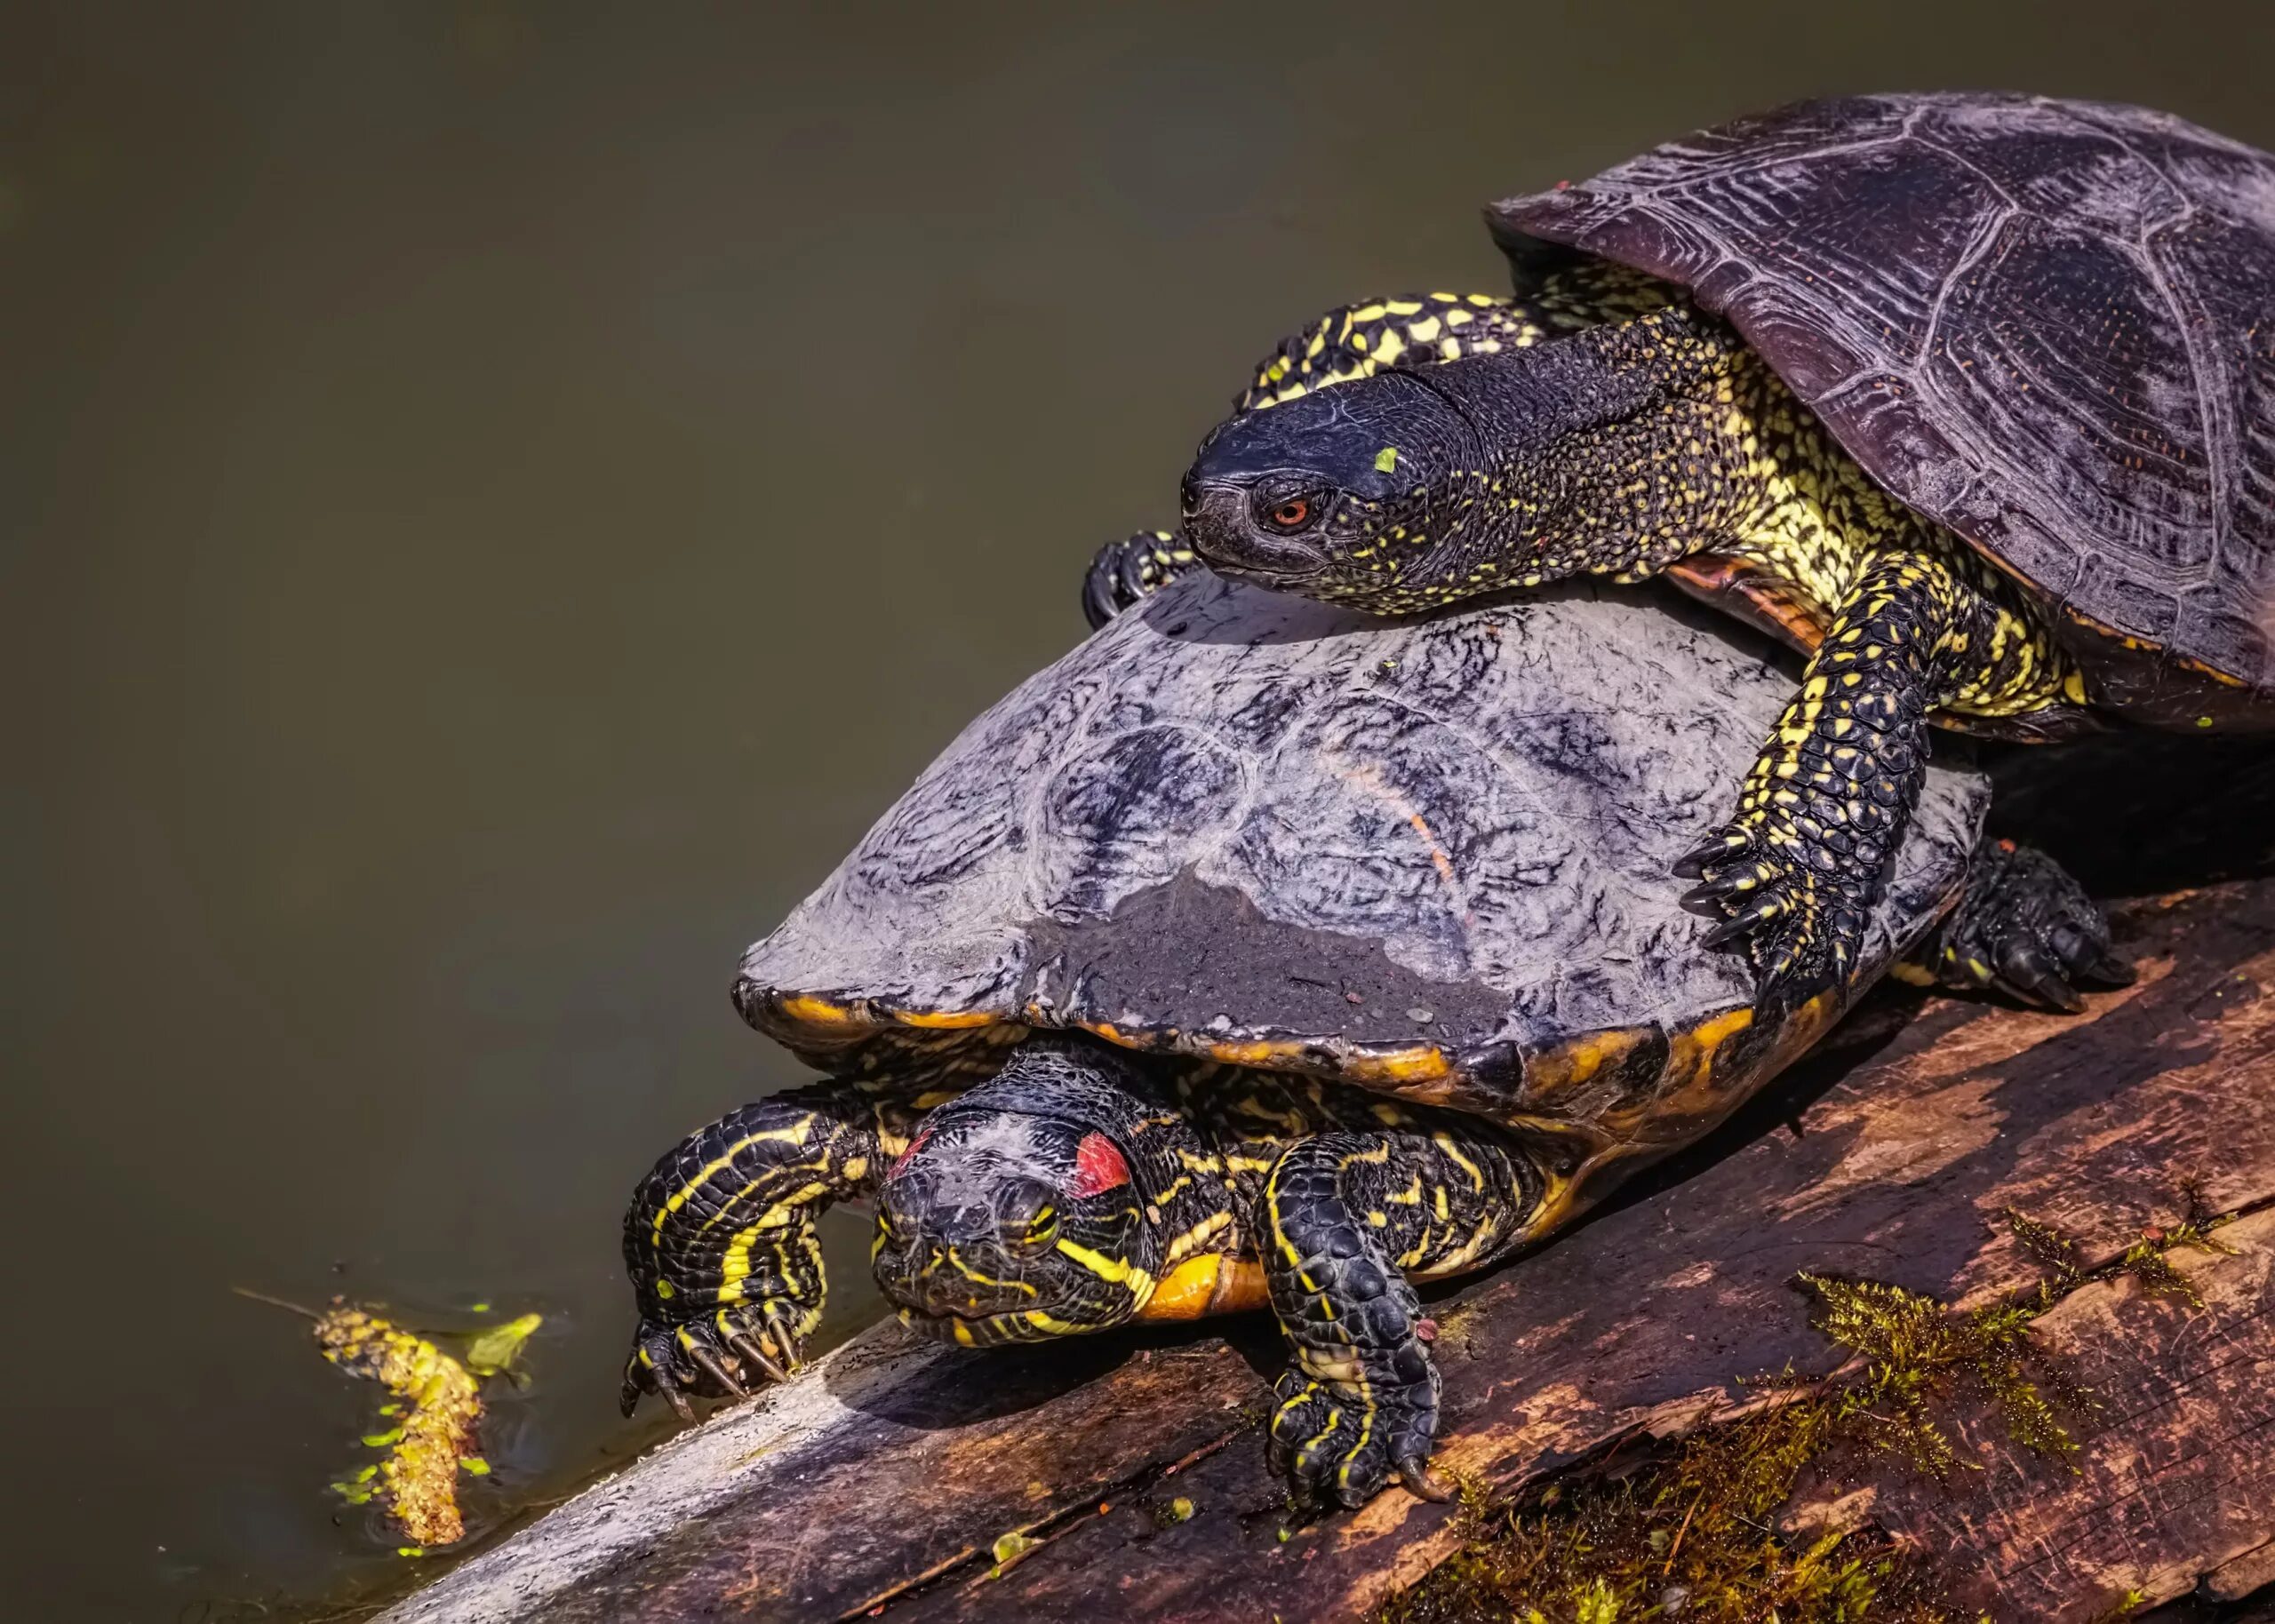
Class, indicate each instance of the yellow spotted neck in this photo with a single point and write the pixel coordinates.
(1804, 511)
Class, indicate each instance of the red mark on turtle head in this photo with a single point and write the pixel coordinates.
(1098, 1166)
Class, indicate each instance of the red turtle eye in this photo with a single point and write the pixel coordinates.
(1098, 1167)
(1293, 513)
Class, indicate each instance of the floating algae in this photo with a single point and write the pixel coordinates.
(417, 1481)
(436, 1412)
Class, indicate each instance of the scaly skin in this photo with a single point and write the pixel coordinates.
(720, 1240)
(2023, 928)
(1354, 1218)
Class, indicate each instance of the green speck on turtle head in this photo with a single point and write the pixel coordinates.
(1386, 460)
(2203, 722)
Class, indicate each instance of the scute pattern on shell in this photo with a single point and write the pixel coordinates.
(1236, 812)
(2049, 324)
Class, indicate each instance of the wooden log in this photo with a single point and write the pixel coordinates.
(887, 1476)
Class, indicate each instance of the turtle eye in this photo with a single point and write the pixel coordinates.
(1290, 513)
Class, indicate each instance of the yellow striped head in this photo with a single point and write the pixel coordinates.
(999, 1225)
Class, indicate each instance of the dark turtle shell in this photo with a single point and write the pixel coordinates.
(2049, 324)
(1428, 856)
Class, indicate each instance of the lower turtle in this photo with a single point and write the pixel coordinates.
(1256, 954)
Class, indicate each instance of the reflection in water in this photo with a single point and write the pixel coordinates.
(504, 495)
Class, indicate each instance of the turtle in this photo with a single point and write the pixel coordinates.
(1970, 397)
(1257, 954)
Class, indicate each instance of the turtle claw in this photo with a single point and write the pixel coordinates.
(1423, 1483)
(782, 1331)
(1717, 847)
(2027, 928)
(1758, 912)
(1339, 1444)
(748, 1347)
(1721, 889)
(708, 1362)
(2112, 971)
(726, 1353)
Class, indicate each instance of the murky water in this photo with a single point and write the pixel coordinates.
(496, 498)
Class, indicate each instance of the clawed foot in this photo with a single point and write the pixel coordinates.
(725, 1354)
(2026, 928)
(1128, 572)
(1802, 906)
(1339, 1443)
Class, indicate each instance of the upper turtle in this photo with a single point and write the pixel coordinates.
(2048, 324)
(1967, 397)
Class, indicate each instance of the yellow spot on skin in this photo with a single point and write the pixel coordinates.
(1580, 1060)
(1387, 459)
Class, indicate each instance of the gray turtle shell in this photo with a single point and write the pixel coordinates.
(2050, 326)
(1432, 856)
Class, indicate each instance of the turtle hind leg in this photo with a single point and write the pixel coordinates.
(1128, 571)
(2023, 926)
(1351, 1216)
(721, 1244)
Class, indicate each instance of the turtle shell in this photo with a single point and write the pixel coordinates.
(2050, 326)
(1430, 856)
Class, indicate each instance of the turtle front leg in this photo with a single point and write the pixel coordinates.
(720, 1239)
(1351, 1218)
(1826, 804)
(2024, 926)
(1127, 572)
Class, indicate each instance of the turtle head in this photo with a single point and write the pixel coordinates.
(1015, 1214)
(1601, 451)
(1353, 493)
